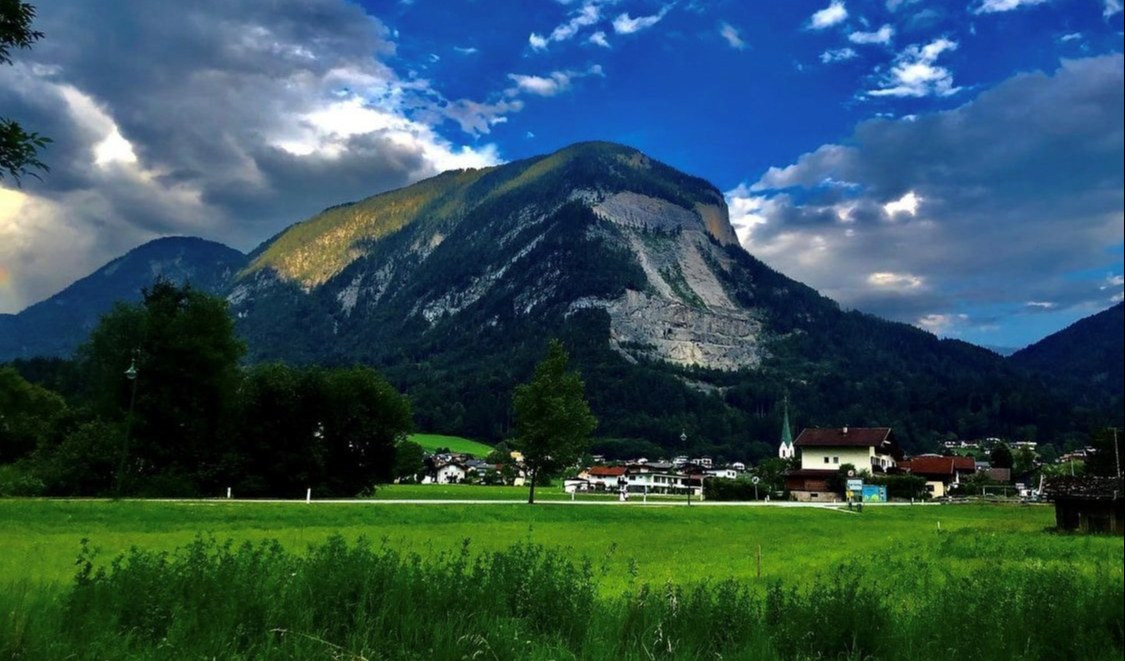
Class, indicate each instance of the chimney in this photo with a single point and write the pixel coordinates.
(845, 431)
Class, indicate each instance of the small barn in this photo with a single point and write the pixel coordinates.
(1087, 503)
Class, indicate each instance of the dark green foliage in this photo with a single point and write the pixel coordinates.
(186, 355)
(19, 149)
(363, 419)
(28, 415)
(211, 600)
(335, 431)
(1088, 354)
(553, 421)
(1001, 456)
(900, 486)
(723, 489)
(409, 460)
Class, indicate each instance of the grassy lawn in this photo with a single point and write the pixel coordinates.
(39, 539)
(431, 442)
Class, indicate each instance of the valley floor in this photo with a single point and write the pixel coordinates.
(39, 539)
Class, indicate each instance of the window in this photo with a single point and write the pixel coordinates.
(835, 460)
(826, 460)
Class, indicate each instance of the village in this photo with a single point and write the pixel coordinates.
(828, 465)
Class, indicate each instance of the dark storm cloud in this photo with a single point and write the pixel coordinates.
(223, 119)
(1011, 193)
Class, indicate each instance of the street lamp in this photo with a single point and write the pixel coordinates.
(130, 374)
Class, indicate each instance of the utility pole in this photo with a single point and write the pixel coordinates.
(1116, 453)
(131, 375)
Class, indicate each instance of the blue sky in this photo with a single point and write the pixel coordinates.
(955, 165)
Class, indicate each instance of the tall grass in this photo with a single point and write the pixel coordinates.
(363, 600)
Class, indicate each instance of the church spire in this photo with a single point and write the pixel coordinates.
(786, 450)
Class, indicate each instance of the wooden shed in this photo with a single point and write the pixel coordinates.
(1088, 504)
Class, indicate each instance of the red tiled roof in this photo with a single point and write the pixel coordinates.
(607, 471)
(845, 437)
(932, 464)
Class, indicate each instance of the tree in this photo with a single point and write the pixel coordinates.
(19, 149)
(1001, 456)
(28, 414)
(364, 420)
(553, 420)
(186, 355)
(410, 460)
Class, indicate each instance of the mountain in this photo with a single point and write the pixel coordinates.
(1091, 352)
(57, 325)
(453, 285)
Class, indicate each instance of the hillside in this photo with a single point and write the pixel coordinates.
(57, 325)
(1091, 351)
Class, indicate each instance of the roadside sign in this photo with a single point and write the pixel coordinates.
(754, 480)
(855, 485)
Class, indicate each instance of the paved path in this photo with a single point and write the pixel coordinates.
(468, 501)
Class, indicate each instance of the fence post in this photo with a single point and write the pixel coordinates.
(308, 495)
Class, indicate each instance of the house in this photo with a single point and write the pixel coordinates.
(725, 473)
(825, 450)
(1087, 503)
(604, 478)
(940, 472)
(450, 472)
(665, 482)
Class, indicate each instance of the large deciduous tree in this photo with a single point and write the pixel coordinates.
(553, 420)
(186, 356)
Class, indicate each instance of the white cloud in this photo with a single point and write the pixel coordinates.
(625, 24)
(915, 72)
(996, 6)
(970, 201)
(881, 36)
(838, 55)
(599, 39)
(941, 324)
(906, 204)
(588, 14)
(552, 84)
(1070, 36)
(889, 280)
(834, 13)
(1042, 305)
(732, 36)
(466, 50)
(1111, 7)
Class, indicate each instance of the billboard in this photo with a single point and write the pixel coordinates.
(874, 493)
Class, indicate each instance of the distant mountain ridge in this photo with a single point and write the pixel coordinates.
(57, 325)
(451, 287)
(1089, 351)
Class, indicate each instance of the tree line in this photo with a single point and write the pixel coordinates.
(157, 404)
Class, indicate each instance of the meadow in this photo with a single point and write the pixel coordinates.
(458, 444)
(563, 581)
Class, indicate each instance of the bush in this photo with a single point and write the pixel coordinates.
(18, 480)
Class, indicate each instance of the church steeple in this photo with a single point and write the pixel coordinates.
(786, 450)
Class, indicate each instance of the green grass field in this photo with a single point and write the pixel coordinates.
(505, 581)
(39, 539)
(431, 442)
